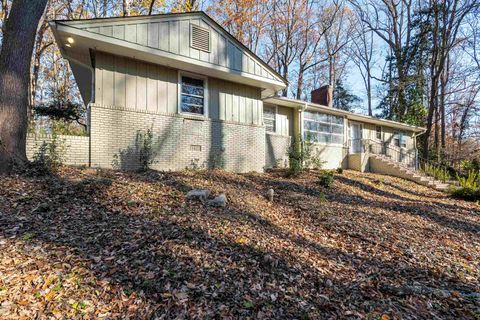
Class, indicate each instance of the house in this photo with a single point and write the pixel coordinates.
(207, 100)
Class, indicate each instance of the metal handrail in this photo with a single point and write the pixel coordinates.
(410, 159)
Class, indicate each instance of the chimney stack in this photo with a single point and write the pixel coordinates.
(323, 96)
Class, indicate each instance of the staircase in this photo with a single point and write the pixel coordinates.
(383, 164)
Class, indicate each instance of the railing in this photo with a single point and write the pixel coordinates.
(406, 158)
(409, 159)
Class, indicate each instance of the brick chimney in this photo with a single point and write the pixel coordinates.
(323, 96)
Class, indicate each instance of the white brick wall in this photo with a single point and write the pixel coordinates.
(276, 150)
(178, 141)
(76, 147)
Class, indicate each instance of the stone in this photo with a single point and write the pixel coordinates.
(220, 201)
(200, 194)
(270, 194)
(328, 283)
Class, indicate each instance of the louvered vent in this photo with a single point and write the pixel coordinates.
(199, 38)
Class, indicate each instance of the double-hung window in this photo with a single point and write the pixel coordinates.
(269, 115)
(323, 128)
(400, 139)
(192, 94)
(378, 132)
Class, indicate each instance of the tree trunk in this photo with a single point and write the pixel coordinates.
(15, 60)
(300, 82)
(369, 94)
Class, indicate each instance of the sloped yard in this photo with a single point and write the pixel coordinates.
(118, 245)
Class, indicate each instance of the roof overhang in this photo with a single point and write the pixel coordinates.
(303, 105)
(85, 41)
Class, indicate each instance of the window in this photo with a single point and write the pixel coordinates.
(400, 139)
(323, 128)
(269, 113)
(403, 140)
(192, 94)
(378, 132)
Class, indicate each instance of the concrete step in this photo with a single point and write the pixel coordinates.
(412, 174)
(442, 186)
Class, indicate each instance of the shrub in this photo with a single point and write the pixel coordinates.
(302, 155)
(326, 179)
(50, 154)
(146, 155)
(466, 193)
(437, 172)
(340, 170)
(469, 187)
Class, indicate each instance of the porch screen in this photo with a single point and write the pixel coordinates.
(323, 128)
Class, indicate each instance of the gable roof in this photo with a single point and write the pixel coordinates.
(166, 39)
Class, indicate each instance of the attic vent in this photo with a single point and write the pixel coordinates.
(199, 38)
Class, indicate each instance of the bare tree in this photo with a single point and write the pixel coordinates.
(446, 18)
(317, 22)
(361, 53)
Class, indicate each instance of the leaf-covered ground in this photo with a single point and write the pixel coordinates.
(93, 244)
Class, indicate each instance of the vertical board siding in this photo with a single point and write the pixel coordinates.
(163, 36)
(123, 82)
(153, 35)
(173, 36)
(131, 32)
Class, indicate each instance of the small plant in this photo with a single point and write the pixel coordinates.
(326, 179)
(469, 187)
(322, 197)
(50, 154)
(146, 155)
(472, 180)
(339, 170)
(303, 155)
(437, 172)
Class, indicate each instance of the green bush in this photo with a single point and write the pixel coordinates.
(302, 155)
(466, 193)
(146, 154)
(326, 179)
(437, 172)
(340, 170)
(50, 154)
(469, 187)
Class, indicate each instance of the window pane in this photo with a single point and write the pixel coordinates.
(337, 120)
(192, 108)
(192, 90)
(269, 118)
(323, 128)
(192, 81)
(192, 100)
(337, 129)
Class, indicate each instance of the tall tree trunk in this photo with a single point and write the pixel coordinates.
(300, 82)
(369, 93)
(443, 87)
(15, 60)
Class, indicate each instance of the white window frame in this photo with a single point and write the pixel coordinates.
(381, 133)
(401, 134)
(325, 123)
(275, 119)
(205, 93)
